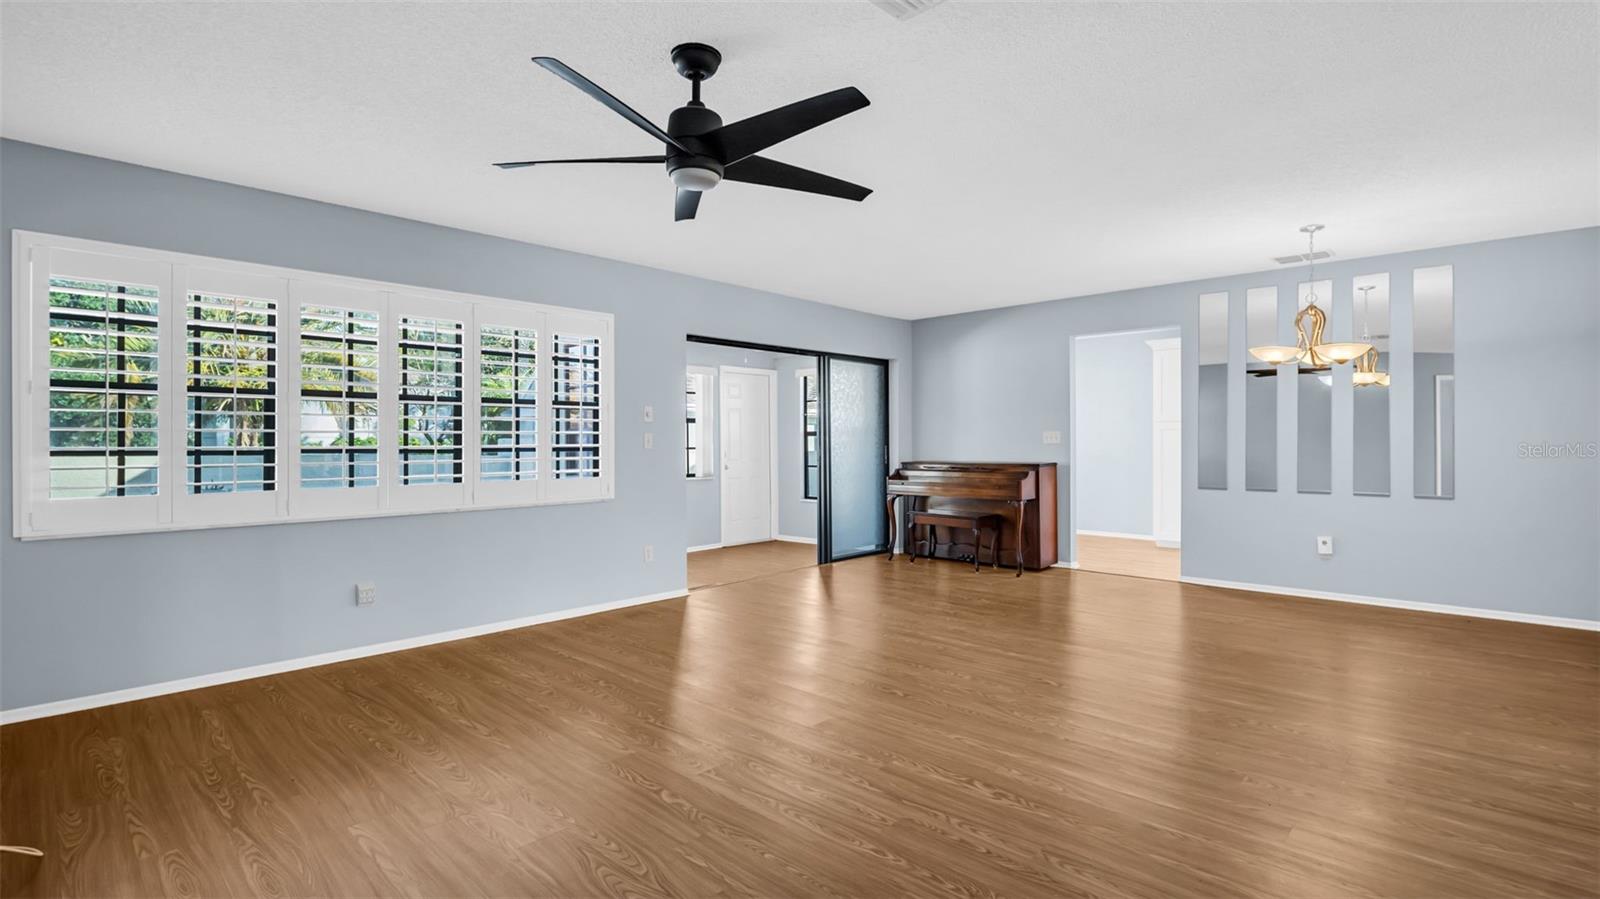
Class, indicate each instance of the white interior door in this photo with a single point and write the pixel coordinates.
(748, 482)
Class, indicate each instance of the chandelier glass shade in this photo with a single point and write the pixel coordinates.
(1366, 373)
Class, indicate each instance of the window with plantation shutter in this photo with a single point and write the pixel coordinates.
(433, 392)
(104, 376)
(508, 403)
(575, 399)
(231, 346)
(430, 400)
(161, 391)
(699, 421)
(338, 397)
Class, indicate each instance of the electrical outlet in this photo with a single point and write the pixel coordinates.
(649, 553)
(1324, 546)
(366, 594)
(1052, 437)
(649, 413)
(649, 440)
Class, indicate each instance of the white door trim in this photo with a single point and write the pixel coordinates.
(1166, 452)
(772, 446)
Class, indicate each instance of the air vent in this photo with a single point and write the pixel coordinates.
(905, 9)
(1318, 256)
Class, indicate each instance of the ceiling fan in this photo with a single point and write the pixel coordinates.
(701, 152)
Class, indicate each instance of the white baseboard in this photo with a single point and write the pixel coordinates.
(63, 706)
(1168, 544)
(701, 549)
(1523, 617)
(1072, 565)
(1118, 534)
(788, 539)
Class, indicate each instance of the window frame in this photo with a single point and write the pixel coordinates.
(35, 516)
(806, 493)
(705, 425)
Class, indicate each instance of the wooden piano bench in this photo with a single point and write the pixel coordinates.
(977, 523)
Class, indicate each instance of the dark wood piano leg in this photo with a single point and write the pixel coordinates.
(1022, 511)
(977, 547)
(889, 508)
(906, 508)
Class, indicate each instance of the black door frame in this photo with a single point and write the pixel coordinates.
(824, 484)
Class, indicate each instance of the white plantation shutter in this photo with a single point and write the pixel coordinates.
(580, 450)
(512, 406)
(429, 346)
(230, 411)
(96, 412)
(158, 391)
(337, 465)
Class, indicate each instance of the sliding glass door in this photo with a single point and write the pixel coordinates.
(856, 456)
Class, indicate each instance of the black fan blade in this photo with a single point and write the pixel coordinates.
(747, 137)
(519, 165)
(571, 76)
(688, 202)
(772, 173)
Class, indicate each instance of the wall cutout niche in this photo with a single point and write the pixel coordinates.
(1433, 368)
(1370, 412)
(1314, 404)
(1260, 392)
(1212, 425)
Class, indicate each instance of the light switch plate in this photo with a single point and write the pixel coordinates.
(649, 440)
(1324, 546)
(649, 413)
(1052, 437)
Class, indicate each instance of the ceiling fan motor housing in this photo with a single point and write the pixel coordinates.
(685, 124)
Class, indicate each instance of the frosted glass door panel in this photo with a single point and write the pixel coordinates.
(858, 456)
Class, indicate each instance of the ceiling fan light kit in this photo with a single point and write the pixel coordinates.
(701, 152)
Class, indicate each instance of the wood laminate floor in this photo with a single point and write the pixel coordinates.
(1121, 555)
(861, 729)
(731, 564)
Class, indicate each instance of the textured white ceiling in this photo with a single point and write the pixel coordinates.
(1019, 151)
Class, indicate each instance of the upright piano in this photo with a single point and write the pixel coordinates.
(1024, 493)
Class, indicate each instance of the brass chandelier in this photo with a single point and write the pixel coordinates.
(1309, 323)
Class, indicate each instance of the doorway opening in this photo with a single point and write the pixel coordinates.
(1127, 452)
(768, 490)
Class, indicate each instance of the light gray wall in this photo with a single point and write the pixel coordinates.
(1521, 534)
(1114, 429)
(66, 632)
